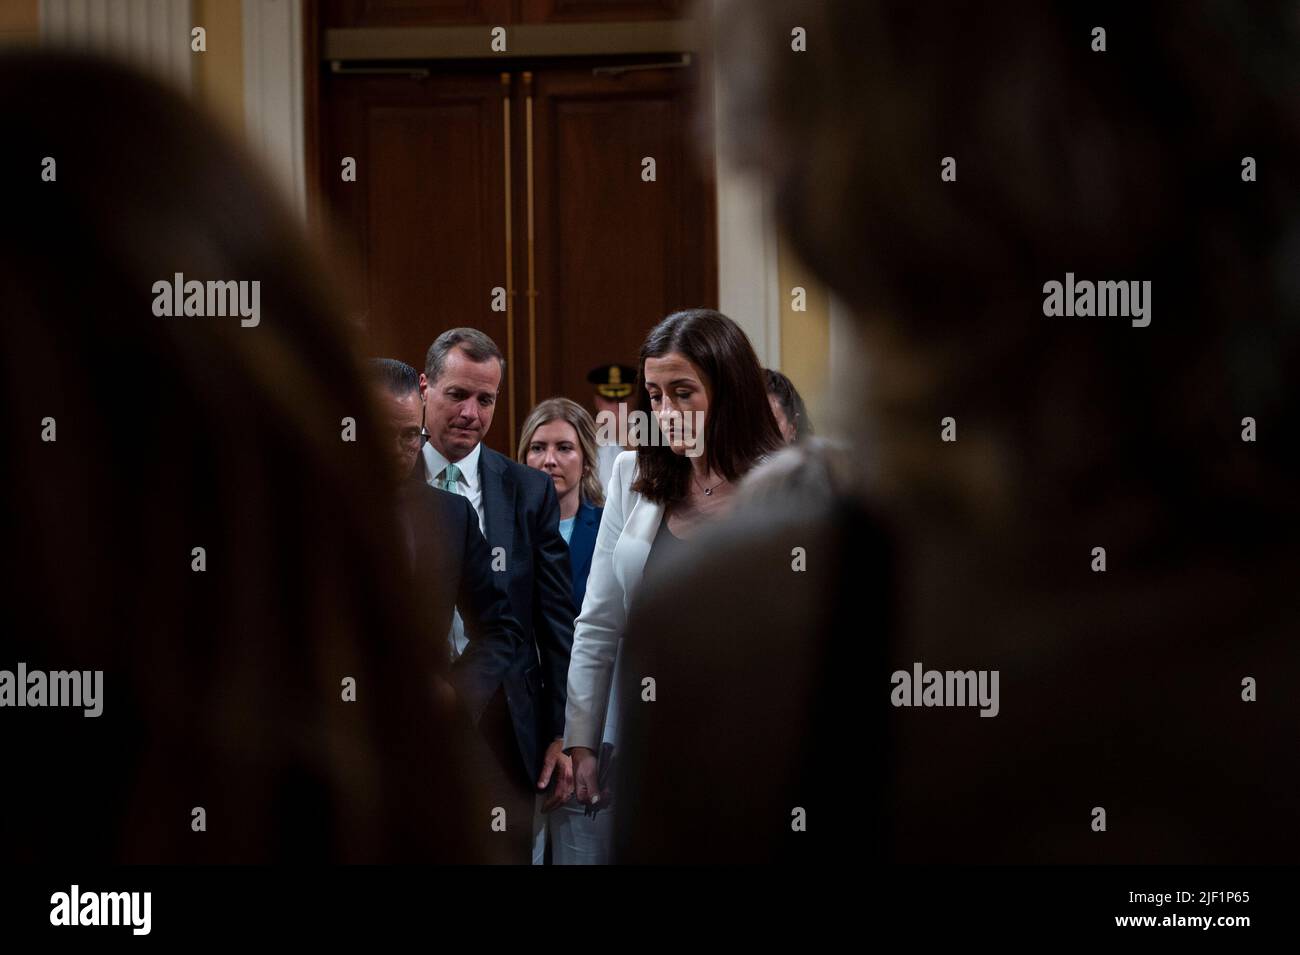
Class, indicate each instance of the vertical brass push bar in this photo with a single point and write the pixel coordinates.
(510, 274)
(532, 276)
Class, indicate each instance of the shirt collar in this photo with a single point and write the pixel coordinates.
(434, 462)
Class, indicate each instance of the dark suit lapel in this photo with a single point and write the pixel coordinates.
(583, 540)
(499, 491)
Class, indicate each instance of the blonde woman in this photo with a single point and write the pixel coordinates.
(559, 438)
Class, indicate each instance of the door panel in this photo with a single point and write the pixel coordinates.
(614, 253)
(425, 219)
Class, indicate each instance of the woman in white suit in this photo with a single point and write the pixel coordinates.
(702, 383)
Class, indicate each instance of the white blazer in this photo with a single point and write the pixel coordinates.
(627, 529)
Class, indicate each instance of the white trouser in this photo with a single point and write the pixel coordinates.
(576, 839)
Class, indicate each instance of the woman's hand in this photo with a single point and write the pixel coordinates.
(557, 764)
(586, 776)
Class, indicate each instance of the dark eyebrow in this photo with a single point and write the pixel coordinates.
(675, 381)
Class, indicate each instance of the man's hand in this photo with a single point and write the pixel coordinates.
(558, 764)
(586, 775)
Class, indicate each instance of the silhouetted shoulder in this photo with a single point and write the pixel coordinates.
(452, 511)
(752, 685)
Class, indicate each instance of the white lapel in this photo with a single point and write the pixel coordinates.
(634, 545)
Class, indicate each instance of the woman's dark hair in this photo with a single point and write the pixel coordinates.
(135, 440)
(739, 428)
(791, 402)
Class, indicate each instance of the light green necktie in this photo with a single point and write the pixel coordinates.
(449, 479)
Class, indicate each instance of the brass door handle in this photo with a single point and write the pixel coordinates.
(510, 274)
(532, 274)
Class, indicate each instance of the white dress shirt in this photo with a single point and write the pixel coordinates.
(470, 485)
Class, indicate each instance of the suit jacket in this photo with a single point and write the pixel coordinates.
(452, 569)
(628, 526)
(582, 543)
(522, 516)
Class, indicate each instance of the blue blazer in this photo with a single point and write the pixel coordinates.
(582, 544)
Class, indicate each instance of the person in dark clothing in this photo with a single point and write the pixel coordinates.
(1101, 510)
(519, 514)
(191, 520)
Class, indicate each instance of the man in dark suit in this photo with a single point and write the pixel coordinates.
(448, 558)
(519, 514)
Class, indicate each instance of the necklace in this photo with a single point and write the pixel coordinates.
(708, 491)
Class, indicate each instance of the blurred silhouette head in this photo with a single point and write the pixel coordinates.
(1121, 165)
(396, 389)
(206, 527)
(938, 165)
(787, 407)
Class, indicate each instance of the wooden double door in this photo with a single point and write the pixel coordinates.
(516, 200)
